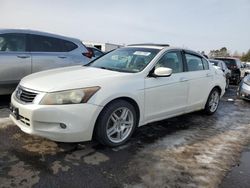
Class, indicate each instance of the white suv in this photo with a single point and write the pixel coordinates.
(111, 96)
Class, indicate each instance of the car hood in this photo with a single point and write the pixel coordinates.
(69, 78)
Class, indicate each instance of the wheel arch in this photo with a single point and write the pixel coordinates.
(125, 98)
(217, 87)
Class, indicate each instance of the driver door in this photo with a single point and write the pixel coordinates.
(166, 96)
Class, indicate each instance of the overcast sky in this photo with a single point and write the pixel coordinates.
(196, 24)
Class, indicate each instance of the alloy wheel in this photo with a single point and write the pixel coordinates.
(214, 101)
(119, 125)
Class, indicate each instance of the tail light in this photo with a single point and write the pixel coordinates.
(88, 54)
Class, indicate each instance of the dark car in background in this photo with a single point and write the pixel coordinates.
(224, 68)
(235, 65)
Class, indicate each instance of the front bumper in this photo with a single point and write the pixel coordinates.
(244, 91)
(46, 120)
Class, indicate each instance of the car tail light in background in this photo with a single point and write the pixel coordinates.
(88, 54)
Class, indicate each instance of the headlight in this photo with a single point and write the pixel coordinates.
(75, 96)
(247, 80)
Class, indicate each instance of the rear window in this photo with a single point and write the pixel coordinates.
(68, 46)
(229, 62)
(45, 44)
(41, 43)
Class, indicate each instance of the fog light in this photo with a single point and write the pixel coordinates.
(63, 126)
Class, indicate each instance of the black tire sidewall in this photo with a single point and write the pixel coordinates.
(100, 130)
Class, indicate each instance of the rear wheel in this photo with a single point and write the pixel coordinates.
(116, 123)
(212, 102)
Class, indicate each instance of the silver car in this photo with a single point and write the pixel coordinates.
(244, 88)
(23, 52)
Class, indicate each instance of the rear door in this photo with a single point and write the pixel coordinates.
(49, 52)
(15, 61)
(200, 78)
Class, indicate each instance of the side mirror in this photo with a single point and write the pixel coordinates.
(162, 72)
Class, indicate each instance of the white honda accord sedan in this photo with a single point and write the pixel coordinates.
(113, 95)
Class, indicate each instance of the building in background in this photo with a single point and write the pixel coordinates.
(105, 47)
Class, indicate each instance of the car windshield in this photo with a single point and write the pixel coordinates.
(130, 59)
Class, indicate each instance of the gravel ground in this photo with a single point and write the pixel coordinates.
(193, 150)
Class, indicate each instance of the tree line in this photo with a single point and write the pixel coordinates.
(223, 52)
(245, 57)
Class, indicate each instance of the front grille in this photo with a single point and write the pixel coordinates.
(24, 95)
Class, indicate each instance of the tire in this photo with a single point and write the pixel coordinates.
(119, 119)
(212, 102)
(227, 83)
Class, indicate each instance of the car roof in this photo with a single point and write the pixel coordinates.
(29, 31)
(215, 60)
(163, 47)
(227, 58)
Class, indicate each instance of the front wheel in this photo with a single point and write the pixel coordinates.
(212, 102)
(116, 123)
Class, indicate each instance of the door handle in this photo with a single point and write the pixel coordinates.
(23, 56)
(62, 57)
(183, 79)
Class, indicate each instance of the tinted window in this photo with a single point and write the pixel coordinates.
(171, 60)
(205, 64)
(68, 46)
(45, 44)
(230, 63)
(194, 63)
(12, 42)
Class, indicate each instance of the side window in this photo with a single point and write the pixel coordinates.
(45, 44)
(194, 63)
(68, 46)
(12, 42)
(205, 64)
(171, 60)
(220, 65)
(223, 66)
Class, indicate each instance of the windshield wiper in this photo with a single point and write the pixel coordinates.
(105, 68)
(118, 70)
